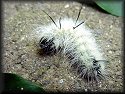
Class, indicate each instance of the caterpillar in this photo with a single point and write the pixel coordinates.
(76, 43)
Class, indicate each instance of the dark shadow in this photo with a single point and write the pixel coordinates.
(41, 52)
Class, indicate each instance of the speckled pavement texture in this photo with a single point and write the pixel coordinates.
(21, 53)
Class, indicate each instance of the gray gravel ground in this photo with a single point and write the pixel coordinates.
(21, 53)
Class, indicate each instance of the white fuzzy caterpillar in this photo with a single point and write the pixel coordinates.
(76, 43)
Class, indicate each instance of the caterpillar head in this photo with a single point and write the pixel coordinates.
(47, 46)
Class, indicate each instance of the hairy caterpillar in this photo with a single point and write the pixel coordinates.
(77, 43)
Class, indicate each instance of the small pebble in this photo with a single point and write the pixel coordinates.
(21, 88)
(110, 52)
(66, 6)
(61, 81)
(108, 45)
(111, 26)
(71, 77)
(106, 34)
(100, 21)
(85, 90)
(100, 85)
(22, 38)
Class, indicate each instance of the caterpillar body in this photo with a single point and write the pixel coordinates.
(76, 43)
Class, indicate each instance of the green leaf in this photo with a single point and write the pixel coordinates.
(113, 7)
(16, 84)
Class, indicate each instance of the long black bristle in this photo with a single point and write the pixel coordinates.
(60, 22)
(50, 18)
(78, 25)
(79, 14)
